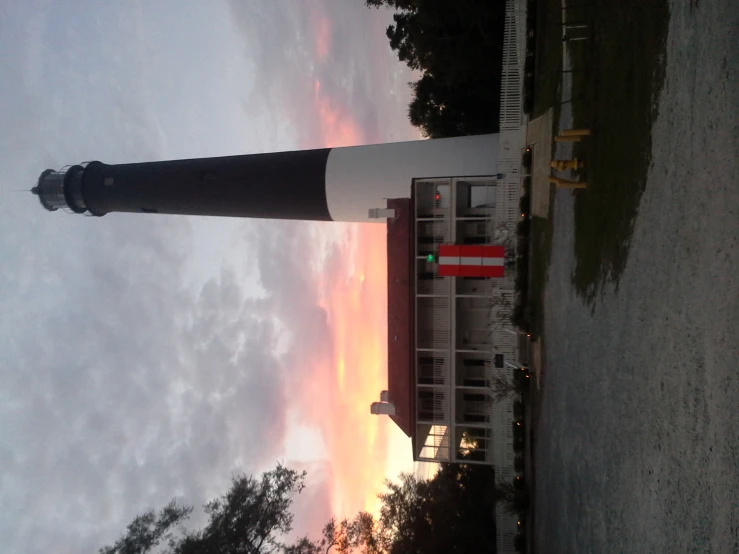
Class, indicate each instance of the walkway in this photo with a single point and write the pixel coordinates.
(539, 138)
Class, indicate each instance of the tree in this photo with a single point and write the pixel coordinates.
(251, 518)
(304, 546)
(502, 387)
(513, 499)
(500, 306)
(458, 48)
(149, 529)
(395, 4)
(452, 512)
(358, 535)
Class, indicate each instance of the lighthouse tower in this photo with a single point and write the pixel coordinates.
(450, 218)
(331, 184)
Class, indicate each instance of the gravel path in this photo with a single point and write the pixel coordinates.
(638, 447)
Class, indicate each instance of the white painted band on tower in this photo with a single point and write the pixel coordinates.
(360, 178)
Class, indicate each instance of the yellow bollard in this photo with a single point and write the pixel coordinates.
(567, 184)
(561, 165)
(575, 133)
(572, 185)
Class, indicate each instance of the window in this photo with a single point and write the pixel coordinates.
(430, 239)
(475, 197)
(431, 370)
(475, 240)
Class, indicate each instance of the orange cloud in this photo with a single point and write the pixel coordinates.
(356, 441)
(323, 37)
(353, 291)
(336, 126)
(362, 450)
(336, 390)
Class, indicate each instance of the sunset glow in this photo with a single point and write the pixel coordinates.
(357, 311)
(362, 450)
(336, 126)
(323, 38)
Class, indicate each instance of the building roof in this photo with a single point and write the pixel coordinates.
(401, 312)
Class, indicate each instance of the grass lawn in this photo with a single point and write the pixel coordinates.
(615, 96)
(548, 55)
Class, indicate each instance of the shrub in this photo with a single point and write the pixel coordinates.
(519, 542)
(519, 409)
(524, 204)
(528, 65)
(519, 434)
(519, 375)
(519, 318)
(520, 287)
(521, 381)
(526, 159)
(528, 101)
(518, 464)
(523, 388)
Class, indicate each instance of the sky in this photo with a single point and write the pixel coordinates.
(145, 358)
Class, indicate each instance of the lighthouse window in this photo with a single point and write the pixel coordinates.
(475, 197)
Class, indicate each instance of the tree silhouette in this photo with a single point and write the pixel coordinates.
(452, 512)
(457, 46)
(147, 530)
(251, 518)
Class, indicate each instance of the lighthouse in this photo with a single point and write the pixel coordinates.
(452, 213)
(351, 184)
(450, 207)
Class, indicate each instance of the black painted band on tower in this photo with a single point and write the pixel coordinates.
(282, 185)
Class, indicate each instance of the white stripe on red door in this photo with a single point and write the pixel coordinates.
(466, 260)
(456, 260)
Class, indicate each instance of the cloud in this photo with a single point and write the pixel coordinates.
(122, 389)
(122, 383)
(313, 506)
(323, 66)
(336, 318)
(121, 386)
